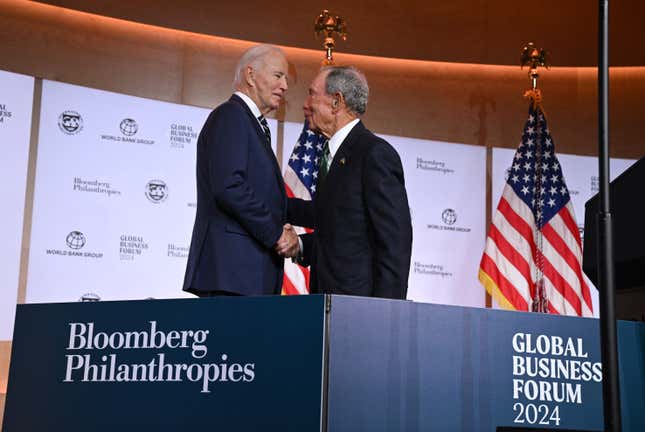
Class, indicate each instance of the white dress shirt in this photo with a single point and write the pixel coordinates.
(337, 139)
(252, 106)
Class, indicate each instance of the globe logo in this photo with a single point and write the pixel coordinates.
(89, 297)
(70, 122)
(128, 127)
(449, 216)
(75, 240)
(156, 191)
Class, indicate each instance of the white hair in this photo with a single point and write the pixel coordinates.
(252, 57)
(351, 83)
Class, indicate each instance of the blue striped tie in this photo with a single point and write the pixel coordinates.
(265, 127)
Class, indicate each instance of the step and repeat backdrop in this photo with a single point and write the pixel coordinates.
(114, 199)
(16, 98)
(115, 196)
(446, 185)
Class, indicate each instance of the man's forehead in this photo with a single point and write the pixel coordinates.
(274, 59)
(319, 81)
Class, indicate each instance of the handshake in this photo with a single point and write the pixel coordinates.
(288, 245)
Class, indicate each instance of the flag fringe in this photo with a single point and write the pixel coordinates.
(494, 291)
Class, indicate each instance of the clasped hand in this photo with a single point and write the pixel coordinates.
(287, 245)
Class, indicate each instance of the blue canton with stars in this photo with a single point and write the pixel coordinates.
(305, 158)
(536, 175)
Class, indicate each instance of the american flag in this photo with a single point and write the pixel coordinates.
(533, 255)
(300, 178)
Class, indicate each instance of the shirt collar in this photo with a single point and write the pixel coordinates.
(249, 102)
(337, 139)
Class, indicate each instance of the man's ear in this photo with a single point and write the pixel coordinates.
(337, 101)
(249, 76)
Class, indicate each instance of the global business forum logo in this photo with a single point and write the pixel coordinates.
(70, 122)
(4, 112)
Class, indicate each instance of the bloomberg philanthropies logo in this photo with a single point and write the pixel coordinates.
(98, 358)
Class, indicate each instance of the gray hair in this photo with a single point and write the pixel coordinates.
(252, 57)
(351, 83)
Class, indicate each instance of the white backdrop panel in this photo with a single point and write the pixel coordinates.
(115, 195)
(581, 176)
(16, 98)
(446, 185)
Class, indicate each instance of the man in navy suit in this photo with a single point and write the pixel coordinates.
(241, 201)
(363, 233)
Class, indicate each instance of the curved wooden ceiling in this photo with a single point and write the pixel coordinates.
(465, 31)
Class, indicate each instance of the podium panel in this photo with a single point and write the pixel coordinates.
(404, 366)
(311, 363)
(228, 364)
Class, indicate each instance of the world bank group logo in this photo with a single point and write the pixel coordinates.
(75, 240)
(89, 298)
(76, 243)
(129, 127)
(156, 191)
(449, 216)
(70, 122)
(449, 219)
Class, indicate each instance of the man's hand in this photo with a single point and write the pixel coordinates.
(287, 245)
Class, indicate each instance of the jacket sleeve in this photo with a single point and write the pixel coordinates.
(301, 213)
(228, 140)
(307, 252)
(389, 217)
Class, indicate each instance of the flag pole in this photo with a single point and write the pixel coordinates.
(534, 58)
(608, 337)
(327, 25)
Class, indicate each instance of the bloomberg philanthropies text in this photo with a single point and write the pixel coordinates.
(94, 356)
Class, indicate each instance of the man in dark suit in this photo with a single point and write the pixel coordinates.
(241, 201)
(363, 233)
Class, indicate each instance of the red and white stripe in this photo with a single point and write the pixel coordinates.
(296, 277)
(508, 266)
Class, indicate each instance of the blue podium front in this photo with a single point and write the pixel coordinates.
(225, 364)
(311, 363)
(404, 366)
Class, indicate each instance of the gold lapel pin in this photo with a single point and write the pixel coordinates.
(342, 161)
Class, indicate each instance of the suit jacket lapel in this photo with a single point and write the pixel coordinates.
(262, 138)
(343, 158)
(258, 129)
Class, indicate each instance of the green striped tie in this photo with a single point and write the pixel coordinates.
(324, 163)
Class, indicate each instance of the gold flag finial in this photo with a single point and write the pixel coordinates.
(328, 24)
(533, 58)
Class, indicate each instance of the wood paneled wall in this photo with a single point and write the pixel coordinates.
(466, 103)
